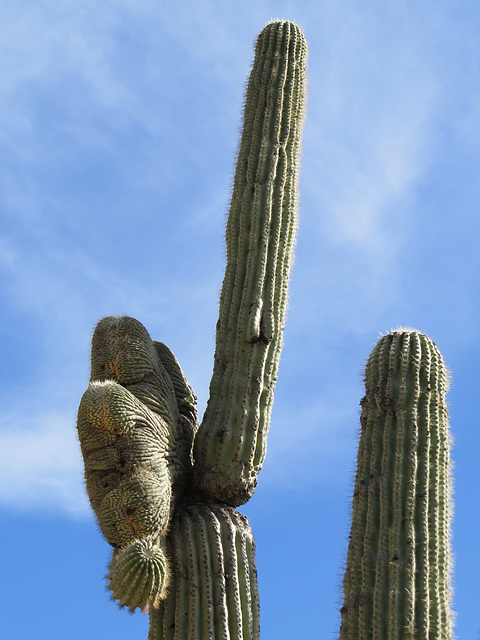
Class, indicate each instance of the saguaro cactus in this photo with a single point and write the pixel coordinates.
(163, 488)
(397, 578)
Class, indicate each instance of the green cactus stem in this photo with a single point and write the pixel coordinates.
(397, 578)
(139, 574)
(213, 591)
(230, 445)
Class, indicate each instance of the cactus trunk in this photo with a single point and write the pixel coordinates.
(214, 592)
(397, 578)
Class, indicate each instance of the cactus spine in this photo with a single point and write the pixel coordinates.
(397, 578)
(164, 489)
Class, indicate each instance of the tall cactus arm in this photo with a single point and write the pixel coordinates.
(397, 578)
(230, 445)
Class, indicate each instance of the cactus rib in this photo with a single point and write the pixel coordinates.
(213, 591)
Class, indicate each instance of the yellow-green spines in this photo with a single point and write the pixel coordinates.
(213, 591)
(231, 443)
(124, 445)
(397, 578)
(139, 575)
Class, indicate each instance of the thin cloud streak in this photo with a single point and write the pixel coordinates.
(312, 445)
(372, 135)
(40, 465)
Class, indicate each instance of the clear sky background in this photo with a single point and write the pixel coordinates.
(119, 123)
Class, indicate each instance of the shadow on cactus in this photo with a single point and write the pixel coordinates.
(164, 488)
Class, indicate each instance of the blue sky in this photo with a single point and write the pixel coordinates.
(119, 123)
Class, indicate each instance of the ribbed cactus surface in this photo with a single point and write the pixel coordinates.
(164, 490)
(230, 446)
(397, 577)
(213, 592)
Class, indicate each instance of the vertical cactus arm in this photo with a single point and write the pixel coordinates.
(213, 591)
(230, 445)
(397, 577)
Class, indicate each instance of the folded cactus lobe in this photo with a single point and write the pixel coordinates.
(136, 443)
(230, 445)
(397, 578)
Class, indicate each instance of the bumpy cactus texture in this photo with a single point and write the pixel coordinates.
(136, 424)
(397, 578)
(163, 488)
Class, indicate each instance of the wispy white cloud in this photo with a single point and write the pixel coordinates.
(375, 113)
(122, 63)
(378, 112)
(311, 444)
(40, 465)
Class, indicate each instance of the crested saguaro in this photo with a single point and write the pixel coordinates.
(164, 488)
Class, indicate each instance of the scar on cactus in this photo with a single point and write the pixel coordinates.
(165, 488)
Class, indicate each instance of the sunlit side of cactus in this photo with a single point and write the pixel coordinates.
(397, 578)
(230, 445)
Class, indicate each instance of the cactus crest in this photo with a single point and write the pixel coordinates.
(397, 577)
